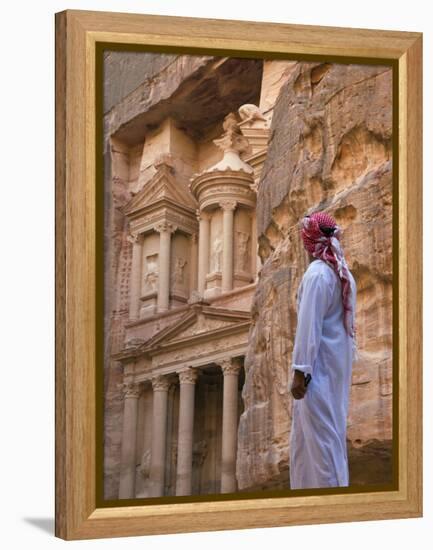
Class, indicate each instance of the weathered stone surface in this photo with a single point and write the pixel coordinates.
(315, 131)
(196, 91)
(125, 71)
(330, 149)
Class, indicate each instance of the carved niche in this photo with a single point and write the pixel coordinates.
(178, 280)
(242, 252)
(216, 254)
(151, 274)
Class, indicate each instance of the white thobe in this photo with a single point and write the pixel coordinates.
(322, 348)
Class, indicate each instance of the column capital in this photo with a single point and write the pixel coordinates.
(165, 226)
(133, 238)
(229, 366)
(146, 382)
(131, 390)
(228, 204)
(161, 382)
(188, 375)
(202, 215)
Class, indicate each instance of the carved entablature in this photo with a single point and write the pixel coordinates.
(203, 335)
(203, 353)
(186, 224)
(212, 187)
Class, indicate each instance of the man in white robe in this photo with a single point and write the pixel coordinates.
(324, 350)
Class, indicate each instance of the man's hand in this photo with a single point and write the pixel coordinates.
(298, 388)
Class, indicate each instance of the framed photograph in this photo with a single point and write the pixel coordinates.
(238, 274)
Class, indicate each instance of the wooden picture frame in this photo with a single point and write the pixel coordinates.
(78, 36)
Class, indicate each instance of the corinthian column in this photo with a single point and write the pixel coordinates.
(165, 229)
(194, 267)
(187, 379)
(255, 258)
(135, 284)
(203, 250)
(131, 393)
(228, 207)
(230, 370)
(160, 385)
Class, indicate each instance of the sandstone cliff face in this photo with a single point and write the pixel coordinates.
(125, 71)
(330, 149)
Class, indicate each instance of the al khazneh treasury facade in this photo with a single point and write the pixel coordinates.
(186, 411)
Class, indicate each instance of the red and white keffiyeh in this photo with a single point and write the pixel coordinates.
(321, 236)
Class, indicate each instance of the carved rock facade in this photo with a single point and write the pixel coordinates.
(202, 264)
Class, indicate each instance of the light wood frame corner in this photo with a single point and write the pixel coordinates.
(77, 36)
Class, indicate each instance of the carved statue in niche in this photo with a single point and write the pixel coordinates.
(232, 138)
(199, 451)
(242, 256)
(144, 467)
(178, 273)
(216, 254)
(151, 275)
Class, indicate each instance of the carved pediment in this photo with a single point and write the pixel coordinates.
(162, 187)
(201, 325)
(204, 322)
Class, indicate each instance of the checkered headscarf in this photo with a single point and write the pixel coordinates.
(321, 237)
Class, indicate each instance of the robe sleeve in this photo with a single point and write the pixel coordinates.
(312, 306)
(355, 354)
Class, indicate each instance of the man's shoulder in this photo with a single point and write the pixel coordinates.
(318, 269)
(315, 275)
